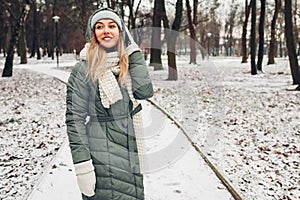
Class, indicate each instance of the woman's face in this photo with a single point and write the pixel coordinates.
(107, 33)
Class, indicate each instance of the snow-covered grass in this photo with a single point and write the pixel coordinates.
(31, 127)
(247, 125)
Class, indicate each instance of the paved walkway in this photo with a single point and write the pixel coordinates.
(175, 169)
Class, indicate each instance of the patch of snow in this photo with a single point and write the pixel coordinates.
(247, 125)
(32, 129)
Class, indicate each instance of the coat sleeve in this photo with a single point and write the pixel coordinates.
(141, 83)
(76, 113)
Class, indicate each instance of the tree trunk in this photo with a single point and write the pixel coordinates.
(38, 40)
(229, 26)
(195, 13)
(296, 33)
(108, 3)
(193, 39)
(290, 43)
(22, 46)
(253, 38)
(83, 13)
(122, 9)
(273, 33)
(165, 21)
(244, 33)
(52, 28)
(171, 37)
(5, 32)
(1, 28)
(132, 18)
(131, 23)
(113, 4)
(261, 34)
(8, 67)
(1, 45)
(34, 33)
(155, 56)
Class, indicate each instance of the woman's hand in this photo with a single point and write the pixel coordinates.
(86, 177)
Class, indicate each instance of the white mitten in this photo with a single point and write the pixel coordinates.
(131, 46)
(86, 177)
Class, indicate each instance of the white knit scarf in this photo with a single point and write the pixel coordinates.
(110, 93)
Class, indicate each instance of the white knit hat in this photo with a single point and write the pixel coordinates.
(106, 14)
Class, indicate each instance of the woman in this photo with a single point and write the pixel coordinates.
(102, 117)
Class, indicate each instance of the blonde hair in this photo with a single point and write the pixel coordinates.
(96, 59)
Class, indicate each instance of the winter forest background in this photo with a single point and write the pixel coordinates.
(251, 92)
(218, 28)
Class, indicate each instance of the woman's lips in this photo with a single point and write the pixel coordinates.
(107, 38)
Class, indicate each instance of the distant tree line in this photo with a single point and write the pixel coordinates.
(28, 27)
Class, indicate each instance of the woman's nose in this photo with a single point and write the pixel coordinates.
(106, 29)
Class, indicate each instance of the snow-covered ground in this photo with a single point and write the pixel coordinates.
(247, 125)
(31, 126)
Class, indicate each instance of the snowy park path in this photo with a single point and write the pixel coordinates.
(175, 168)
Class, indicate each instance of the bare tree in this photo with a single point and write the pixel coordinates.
(230, 24)
(195, 13)
(133, 16)
(73, 19)
(244, 33)
(22, 46)
(4, 24)
(133, 13)
(297, 17)
(209, 28)
(261, 34)
(155, 56)
(113, 4)
(193, 38)
(171, 37)
(295, 30)
(273, 33)
(35, 45)
(253, 38)
(8, 67)
(290, 43)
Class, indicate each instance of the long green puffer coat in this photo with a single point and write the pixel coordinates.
(109, 138)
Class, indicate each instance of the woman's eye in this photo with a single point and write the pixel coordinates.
(112, 26)
(99, 27)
